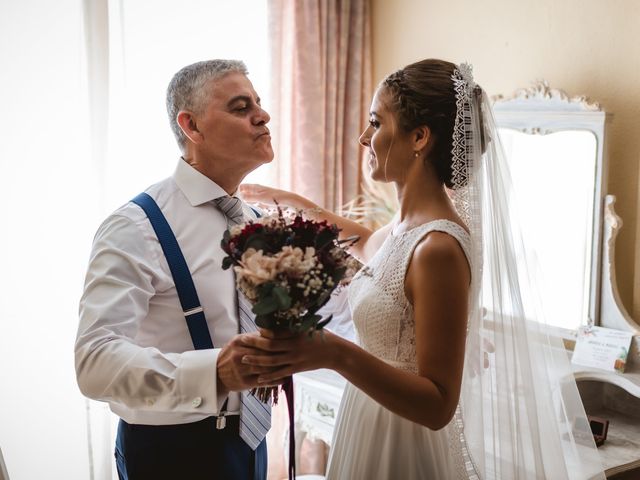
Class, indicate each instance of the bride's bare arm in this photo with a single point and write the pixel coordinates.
(255, 193)
(437, 283)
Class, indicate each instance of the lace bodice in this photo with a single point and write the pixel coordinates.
(382, 314)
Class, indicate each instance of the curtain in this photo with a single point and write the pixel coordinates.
(321, 85)
(48, 209)
(320, 55)
(84, 129)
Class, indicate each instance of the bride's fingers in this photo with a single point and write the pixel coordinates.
(277, 335)
(267, 360)
(254, 371)
(266, 333)
(488, 345)
(252, 192)
(257, 370)
(269, 344)
(250, 189)
(276, 376)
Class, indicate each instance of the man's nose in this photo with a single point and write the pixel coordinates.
(262, 117)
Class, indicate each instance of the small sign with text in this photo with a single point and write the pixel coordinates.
(603, 348)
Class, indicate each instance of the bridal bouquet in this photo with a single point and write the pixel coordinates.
(287, 268)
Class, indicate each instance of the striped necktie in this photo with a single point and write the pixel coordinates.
(255, 416)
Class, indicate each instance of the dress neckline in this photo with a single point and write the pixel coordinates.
(437, 220)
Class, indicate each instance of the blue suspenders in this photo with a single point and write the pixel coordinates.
(193, 313)
(241, 464)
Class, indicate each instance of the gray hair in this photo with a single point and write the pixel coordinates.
(187, 91)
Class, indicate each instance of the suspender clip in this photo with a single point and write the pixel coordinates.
(193, 311)
(221, 422)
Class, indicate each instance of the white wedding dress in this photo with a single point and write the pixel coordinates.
(369, 441)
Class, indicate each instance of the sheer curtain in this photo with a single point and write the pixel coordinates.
(320, 94)
(48, 213)
(321, 67)
(83, 130)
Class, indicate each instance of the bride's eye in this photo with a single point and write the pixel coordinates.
(374, 123)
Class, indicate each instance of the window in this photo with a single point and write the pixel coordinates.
(53, 195)
(151, 41)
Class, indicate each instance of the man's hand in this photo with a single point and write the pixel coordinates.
(279, 356)
(233, 374)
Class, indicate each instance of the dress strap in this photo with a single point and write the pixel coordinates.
(444, 226)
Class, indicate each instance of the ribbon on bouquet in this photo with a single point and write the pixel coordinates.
(287, 388)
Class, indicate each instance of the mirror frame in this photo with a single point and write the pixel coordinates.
(541, 110)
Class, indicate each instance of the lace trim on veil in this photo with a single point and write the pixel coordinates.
(530, 380)
(462, 151)
(462, 167)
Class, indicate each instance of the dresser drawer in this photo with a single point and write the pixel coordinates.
(317, 402)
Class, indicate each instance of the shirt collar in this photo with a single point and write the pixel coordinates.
(198, 188)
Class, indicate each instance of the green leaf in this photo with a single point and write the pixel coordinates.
(321, 324)
(282, 297)
(308, 322)
(227, 262)
(266, 305)
(265, 289)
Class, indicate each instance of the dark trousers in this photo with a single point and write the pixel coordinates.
(193, 451)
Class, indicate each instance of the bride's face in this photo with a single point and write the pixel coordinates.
(389, 146)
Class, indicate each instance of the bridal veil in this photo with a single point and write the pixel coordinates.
(520, 417)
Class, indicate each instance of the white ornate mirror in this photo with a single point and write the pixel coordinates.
(554, 145)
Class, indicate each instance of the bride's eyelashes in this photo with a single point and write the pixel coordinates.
(374, 123)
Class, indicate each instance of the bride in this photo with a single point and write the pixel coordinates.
(427, 397)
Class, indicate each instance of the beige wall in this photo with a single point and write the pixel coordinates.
(585, 47)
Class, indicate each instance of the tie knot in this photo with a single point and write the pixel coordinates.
(231, 207)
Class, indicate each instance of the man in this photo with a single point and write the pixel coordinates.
(181, 410)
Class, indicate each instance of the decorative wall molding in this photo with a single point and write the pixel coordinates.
(540, 91)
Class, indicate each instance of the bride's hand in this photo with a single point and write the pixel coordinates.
(286, 356)
(268, 196)
(270, 334)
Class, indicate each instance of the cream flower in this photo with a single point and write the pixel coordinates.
(256, 268)
(294, 262)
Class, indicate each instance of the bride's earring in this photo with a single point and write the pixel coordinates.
(416, 154)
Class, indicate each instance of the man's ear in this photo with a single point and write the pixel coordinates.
(189, 127)
(422, 138)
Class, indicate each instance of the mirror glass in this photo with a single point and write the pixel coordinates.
(554, 179)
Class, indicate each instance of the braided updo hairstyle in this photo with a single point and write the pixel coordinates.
(422, 94)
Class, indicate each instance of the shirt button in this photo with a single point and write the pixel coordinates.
(196, 402)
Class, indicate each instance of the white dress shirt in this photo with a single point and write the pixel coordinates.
(133, 347)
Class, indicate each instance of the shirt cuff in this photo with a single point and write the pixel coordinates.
(197, 382)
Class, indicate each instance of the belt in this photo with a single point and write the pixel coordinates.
(232, 422)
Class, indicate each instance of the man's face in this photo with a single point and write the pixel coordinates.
(233, 126)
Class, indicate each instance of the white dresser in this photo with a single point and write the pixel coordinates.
(318, 396)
